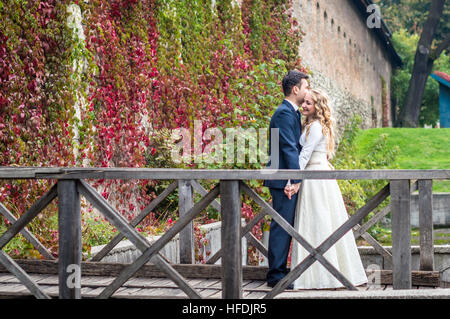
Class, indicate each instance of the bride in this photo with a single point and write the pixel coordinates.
(320, 207)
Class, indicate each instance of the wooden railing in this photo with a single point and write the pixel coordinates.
(71, 184)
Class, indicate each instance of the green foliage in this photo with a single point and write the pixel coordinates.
(19, 246)
(43, 227)
(140, 69)
(406, 19)
(382, 234)
(414, 148)
(37, 93)
(96, 231)
(406, 46)
(419, 148)
(231, 61)
(260, 92)
(411, 16)
(380, 156)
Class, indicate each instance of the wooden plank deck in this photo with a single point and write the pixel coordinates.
(162, 288)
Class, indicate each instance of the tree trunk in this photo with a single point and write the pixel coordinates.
(423, 64)
(409, 116)
(394, 105)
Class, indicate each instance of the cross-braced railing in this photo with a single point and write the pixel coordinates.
(71, 184)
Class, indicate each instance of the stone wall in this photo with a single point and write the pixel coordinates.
(371, 258)
(126, 252)
(347, 59)
(441, 210)
(344, 105)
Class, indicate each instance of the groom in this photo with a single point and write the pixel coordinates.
(287, 120)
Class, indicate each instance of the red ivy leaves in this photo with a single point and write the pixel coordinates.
(134, 91)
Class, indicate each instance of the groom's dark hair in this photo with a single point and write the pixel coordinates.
(292, 79)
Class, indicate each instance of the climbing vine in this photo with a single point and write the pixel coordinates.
(94, 83)
(384, 103)
(36, 97)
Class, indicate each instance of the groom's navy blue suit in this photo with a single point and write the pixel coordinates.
(287, 121)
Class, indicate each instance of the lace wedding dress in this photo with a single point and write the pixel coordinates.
(320, 211)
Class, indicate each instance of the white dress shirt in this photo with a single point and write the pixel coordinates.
(295, 106)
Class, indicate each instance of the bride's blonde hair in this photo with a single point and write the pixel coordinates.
(324, 116)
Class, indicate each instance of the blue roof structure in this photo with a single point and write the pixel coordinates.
(444, 100)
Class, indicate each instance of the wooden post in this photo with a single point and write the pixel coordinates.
(69, 225)
(426, 224)
(230, 199)
(401, 233)
(185, 203)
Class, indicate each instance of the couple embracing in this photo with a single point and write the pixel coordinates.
(315, 208)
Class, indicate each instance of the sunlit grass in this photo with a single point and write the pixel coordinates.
(419, 148)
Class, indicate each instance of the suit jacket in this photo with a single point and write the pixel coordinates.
(287, 121)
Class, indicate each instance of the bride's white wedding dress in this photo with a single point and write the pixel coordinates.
(320, 211)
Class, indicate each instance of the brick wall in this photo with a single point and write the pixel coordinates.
(346, 57)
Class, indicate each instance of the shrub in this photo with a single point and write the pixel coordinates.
(131, 68)
(381, 156)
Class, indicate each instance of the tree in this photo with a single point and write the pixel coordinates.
(405, 44)
(411, 16)
(426, 54)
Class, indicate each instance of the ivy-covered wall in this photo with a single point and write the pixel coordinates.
(89, 83)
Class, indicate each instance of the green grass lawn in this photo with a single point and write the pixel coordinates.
(441, 237)
(419, 148)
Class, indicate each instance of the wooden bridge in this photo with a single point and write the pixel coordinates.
(69, 277)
